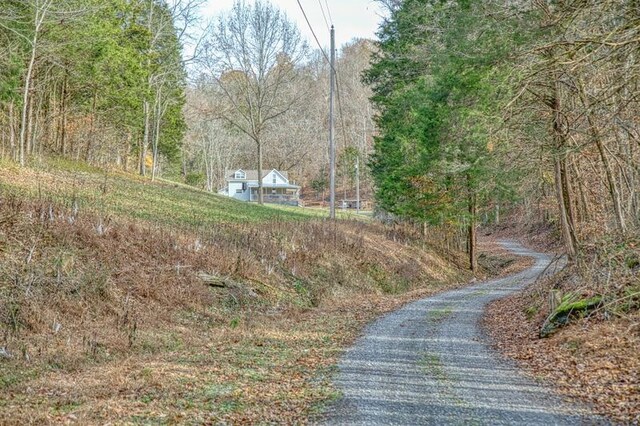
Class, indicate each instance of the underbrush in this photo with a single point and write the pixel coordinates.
(607, 272)
(590, 313)
(99, 311)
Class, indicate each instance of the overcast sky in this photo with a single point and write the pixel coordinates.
(352, 18)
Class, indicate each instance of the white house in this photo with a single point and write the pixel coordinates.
(243, 185)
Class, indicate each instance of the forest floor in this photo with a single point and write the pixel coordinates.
(126, 301)
(595, 358)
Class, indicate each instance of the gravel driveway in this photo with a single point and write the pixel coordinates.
(430, 363)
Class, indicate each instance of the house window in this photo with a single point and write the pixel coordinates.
(239, 191)
(240, 174)
(275, 180)
(273, 191)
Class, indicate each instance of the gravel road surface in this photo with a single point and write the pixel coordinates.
(430, 363)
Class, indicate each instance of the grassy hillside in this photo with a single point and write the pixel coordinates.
(127, 301)
(132, 197)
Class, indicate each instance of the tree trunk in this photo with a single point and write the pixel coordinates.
(156, 134)
(260, 193)
(564, 222)
(584, 207)
(12, 131)
(25, 100)
(4, 138)
(127, 149)
(29, 131)
(208, 167)
(63, 118)
(92, 128)
(145, 139)
(473, 258)
(33, 127)
(568, 195)
(611, 181)
(613, 187)
(40, 14)
(567, 227)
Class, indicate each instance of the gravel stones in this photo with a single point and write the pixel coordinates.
(430, 363)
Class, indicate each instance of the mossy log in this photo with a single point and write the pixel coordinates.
(568, 309)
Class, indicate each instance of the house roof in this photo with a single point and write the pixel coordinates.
(253, 174)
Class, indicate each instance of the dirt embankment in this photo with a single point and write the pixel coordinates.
(595, 358)
(105, 320)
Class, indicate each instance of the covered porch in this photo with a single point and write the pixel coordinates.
(276, 194)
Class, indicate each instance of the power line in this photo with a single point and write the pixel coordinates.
(314, 34)
(330, 65)
(333, 69)
(323, 14)
(328, 11)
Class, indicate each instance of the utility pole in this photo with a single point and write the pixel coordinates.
(332, 142)
(364, 147)
(358, 184)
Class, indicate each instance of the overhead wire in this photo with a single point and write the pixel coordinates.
(314, 34)
(323, 14)
(333, 69)
(328, 11)
(344, 136)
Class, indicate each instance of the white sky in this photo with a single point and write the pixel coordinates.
(352, 18)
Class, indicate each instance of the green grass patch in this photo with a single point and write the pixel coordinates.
(11, 376)
(432, 366)
(435, 315)
(172, 204)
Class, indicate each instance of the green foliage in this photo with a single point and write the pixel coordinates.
(320, 183)
(10, 71)
(96, 63)
(347, 161)
(195, 179)
(439, 84)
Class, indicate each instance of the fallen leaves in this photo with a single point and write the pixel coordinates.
(594, 361)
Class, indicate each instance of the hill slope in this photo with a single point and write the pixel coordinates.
(133, 197)
(130, 301)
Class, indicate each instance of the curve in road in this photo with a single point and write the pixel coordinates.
(430, 363)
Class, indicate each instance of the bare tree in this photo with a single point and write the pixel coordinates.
(252, 54)
(213, 146)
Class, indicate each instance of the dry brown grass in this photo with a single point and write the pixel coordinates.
(271, 370)
(496, 261)
(108, 320)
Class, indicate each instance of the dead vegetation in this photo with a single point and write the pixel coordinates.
(594, 357)
(116, 320)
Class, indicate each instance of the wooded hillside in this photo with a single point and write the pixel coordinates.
(106, 83)
(466, 116)
(526, 110)
(98, 81)
(485, 105)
